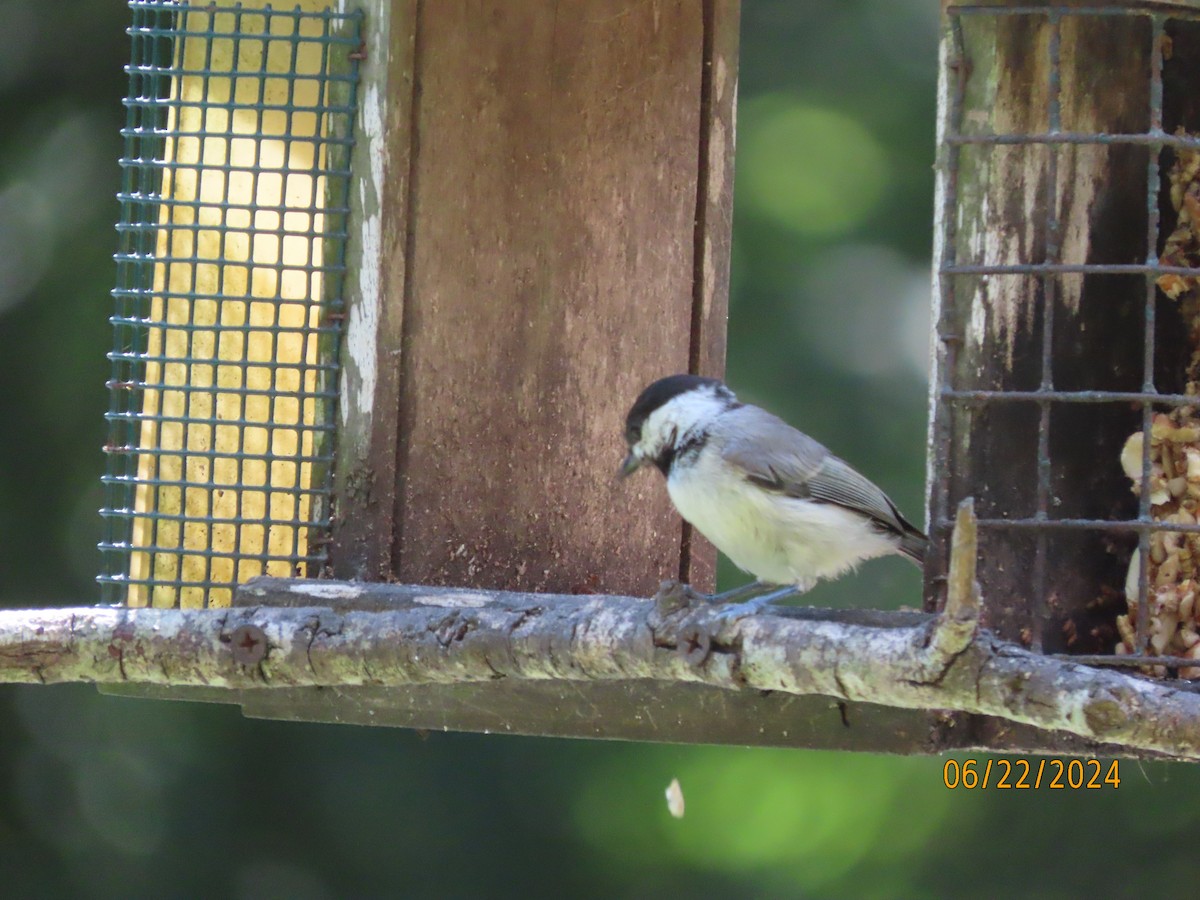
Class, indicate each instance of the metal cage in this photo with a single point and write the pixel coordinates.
(1056, 354)
(227, 308)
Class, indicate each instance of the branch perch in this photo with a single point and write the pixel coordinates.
(293, 634)
(959, 620)
(431, 635)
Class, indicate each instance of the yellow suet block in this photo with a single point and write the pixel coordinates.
(228, 413)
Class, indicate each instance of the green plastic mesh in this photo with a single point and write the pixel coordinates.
(227, 307)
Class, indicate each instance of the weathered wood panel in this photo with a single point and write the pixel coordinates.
(713, 232)
(1034, 204)
(553, 211)
(376, 276)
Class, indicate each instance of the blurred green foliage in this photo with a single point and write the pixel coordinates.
(102, 797)
(807, 168)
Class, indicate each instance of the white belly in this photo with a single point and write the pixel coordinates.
(777, 539)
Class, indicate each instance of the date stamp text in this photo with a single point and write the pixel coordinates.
(1024, 774)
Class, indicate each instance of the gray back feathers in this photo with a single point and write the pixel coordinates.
(777, 457)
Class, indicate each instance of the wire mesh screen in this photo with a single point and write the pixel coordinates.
(228, 298)
(1068, 362)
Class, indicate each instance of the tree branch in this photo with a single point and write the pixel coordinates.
(413, 635)
(959, 619)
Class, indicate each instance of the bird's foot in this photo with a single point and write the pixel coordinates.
(673, 595)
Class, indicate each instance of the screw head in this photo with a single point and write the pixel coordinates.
(694, 644)
(249, 644)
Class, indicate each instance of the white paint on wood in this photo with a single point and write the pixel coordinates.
(937, 375)
(362, 327)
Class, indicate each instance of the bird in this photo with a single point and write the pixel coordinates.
(774, 500)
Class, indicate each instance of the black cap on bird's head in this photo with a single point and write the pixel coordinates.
(652, 399)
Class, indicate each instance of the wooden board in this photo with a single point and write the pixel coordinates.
(555, 206)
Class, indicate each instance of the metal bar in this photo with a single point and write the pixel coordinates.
(160, 482)
(275, 267)
(1049, 299)
(313, 294)
(255, 183)
(157, 201)
(224, 228)
(237, 329)
(211, 454)
(145, 293)
(1116, 11)
(181, 6)
(260, 106)
(1072, 269)
(1151, 139)
(1142, 627)
(1128, 525)
(1093, 659)
(207, 360)
(292, 522)
(129, 386)
(227, 168)
(201, 135)
(1138, 397)
(214, 421)
(164, 581)
(212, 395)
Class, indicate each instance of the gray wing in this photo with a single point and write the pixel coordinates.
(776, 456)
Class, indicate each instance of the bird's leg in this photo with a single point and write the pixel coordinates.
(745, 592)
(752, 606)
(739, 601)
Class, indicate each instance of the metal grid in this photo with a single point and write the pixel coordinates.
(1045, 396)
(228, 307)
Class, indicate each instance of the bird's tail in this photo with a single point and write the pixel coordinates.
(913, 544)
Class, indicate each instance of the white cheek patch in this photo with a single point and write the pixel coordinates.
(676, 417)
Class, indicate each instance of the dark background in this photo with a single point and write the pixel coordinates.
(102, 797)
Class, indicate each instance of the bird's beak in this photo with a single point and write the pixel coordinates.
(632, 464)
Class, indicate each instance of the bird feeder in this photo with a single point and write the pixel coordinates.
(391, 273)
(1065, 375)
(541, 213)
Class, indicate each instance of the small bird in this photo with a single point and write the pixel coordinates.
(772, 499)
